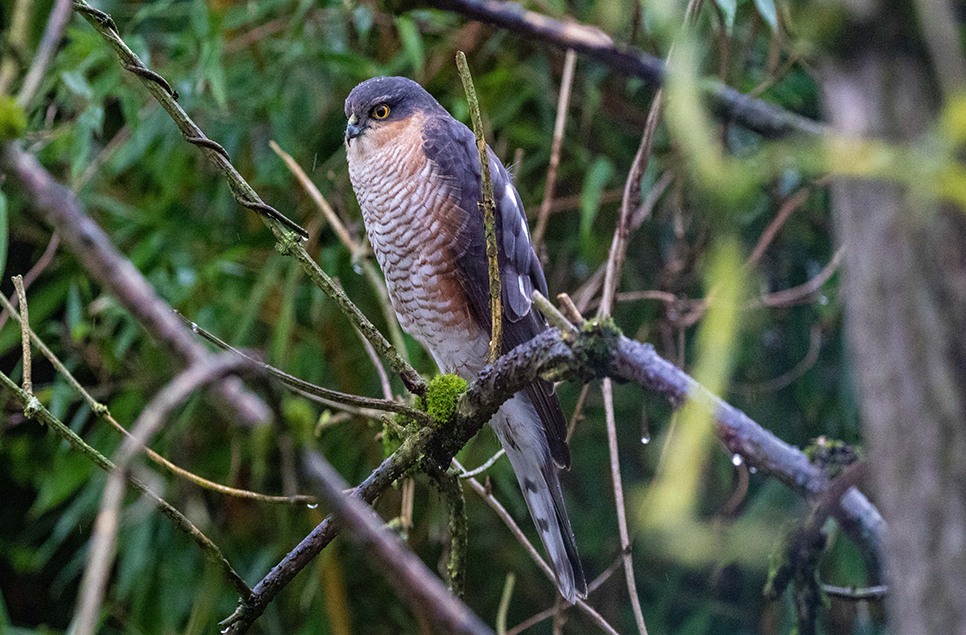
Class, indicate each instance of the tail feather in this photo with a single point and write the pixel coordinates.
(520, 432)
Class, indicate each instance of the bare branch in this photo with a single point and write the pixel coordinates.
(425, 593)
(45, 52)
(728, 104)
(550, 187)
(28, 386)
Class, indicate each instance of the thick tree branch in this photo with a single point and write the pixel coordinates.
(727, 103)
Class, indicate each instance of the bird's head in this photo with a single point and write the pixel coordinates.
(382, 107)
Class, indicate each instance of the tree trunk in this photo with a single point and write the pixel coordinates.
(905, 291)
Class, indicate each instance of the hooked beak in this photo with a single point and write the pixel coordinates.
(353, 129)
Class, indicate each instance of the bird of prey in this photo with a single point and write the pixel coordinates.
(416, 173)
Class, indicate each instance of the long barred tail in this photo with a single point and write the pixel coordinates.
(521, 433)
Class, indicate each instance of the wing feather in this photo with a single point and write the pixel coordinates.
(452, 146)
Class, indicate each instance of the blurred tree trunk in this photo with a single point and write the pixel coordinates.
(905, 286)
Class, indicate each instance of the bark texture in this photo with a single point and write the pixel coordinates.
(905, 286)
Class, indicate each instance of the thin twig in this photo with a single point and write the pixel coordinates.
(413, 581)
(535, 619)
(627, 554)
(550, 187)
(487, 206)
(632, 191)
(585, 294)
(487, 465)
(856, 594)
(387, 405)
(790, 205)
(796, 295)
(578, 411)
(776, 299)
(615, 265)
(553, 314)
(344, 236)
(28, 386)
(568, 308)
(559, 607)
(789, 376)
(101, 411)
(534, 555)
(380, 370)
(505, 603)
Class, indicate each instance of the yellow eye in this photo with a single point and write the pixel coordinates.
(381, 111)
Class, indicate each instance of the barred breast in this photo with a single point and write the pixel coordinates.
(411, 220)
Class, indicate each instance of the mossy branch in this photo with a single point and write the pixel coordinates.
(596, 350)
(488, 207)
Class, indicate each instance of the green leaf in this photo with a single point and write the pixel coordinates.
(766, 9)
(728, 8)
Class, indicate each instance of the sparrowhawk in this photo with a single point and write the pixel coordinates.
(416, 173)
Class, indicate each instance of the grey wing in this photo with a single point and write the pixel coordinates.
(453, 147)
